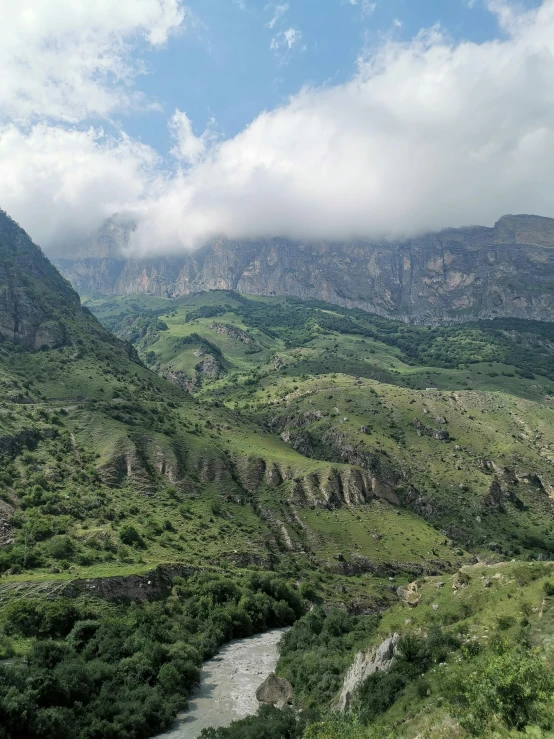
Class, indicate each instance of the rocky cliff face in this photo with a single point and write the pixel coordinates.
(451, 276)
(378, 659)
(34, 297)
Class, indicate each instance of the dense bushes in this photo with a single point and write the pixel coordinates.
(509, 687)
(527, 345)
(415, 655)
(269, 723)
(48, 618)
(94, 673)
(316, 652)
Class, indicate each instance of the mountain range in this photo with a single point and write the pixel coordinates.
(454, 275)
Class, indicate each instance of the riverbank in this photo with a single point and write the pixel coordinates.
(228, 685)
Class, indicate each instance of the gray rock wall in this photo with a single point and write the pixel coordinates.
(451, 276)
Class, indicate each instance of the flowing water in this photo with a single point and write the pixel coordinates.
(228, 685)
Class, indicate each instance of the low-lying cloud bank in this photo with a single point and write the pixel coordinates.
(425, 135)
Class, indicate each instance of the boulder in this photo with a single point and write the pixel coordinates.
(275, 691)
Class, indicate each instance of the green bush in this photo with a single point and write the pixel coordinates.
(129, 535)
(269, 723)
(506, 622)
(512, 686)
(414, 657)
(27, 617)
(317, 651)
(548, 588)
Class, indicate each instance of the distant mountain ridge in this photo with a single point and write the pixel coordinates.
(453, 275)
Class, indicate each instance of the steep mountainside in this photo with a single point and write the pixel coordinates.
(451, 276)
(36, 303)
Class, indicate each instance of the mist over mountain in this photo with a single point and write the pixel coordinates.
(453, 275)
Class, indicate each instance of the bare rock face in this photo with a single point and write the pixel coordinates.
(6, 529)
(275, 691)
(454, 275)
(378, 659)
(35, 300)
(499, 495)
(409, 594)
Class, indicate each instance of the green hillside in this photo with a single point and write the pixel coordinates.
(455, 424)
(230, 463)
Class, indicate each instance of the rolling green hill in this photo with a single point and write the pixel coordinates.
(110, 469)
(454, 424)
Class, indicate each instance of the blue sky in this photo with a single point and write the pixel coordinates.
(223, 67)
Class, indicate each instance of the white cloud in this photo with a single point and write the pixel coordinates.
(429, 133)
(278, 12)
(286, 39)
(188, 148)
(61, 183)
(64, 63)
(367, 7)
(70, 60)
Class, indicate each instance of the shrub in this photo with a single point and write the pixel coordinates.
(129, 535)
(60, 547)
(511, 686)
(269, 723)
(28, 617)
(506, 622)
(548, 588)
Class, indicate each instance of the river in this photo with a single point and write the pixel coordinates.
(228, 685)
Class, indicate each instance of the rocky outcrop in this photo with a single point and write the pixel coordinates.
(327, 487)
(235, 333)
(31, 317)
(419, 504)
(498, 496)
(275, 691)
(409, 594)
(332, 488)
(208, 367)
(438, 434)
(454, 275)
(300, 441)
(358, 565)
(378, 659)
(154, 585)
(6, 529)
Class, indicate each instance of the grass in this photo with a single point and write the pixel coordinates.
(138, 451)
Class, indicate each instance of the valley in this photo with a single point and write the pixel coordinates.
(179, 472)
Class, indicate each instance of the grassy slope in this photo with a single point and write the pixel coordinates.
(497, 418)
(101, 443)
(94, 442)
(489, 608)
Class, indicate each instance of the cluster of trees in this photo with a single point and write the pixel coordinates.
(527, 345)
(317, 651)
(124, 672)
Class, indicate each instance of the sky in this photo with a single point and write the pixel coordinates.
(307, 119)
